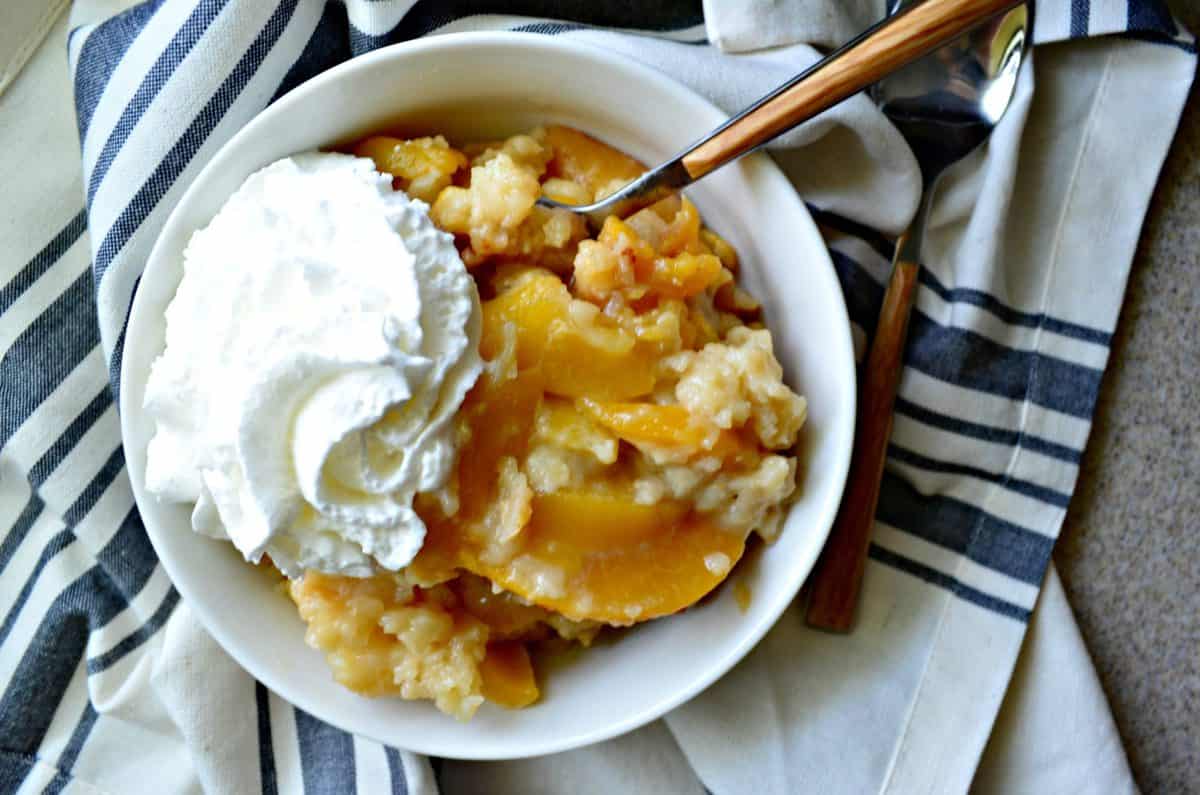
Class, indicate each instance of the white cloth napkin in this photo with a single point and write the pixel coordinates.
(108, 684)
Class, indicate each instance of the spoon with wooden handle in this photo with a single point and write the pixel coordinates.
(902, 38)
(945, 105)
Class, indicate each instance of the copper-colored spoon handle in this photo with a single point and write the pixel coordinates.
(880, 51)
(835, 582)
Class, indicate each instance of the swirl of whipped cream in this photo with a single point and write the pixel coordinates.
(319, 344)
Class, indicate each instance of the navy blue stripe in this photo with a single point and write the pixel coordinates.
(40, 681)
(91, 494)
(118, 351)
(41, 262)
(69, 438)
(190, 32)
(967, 359)
(555, 28)
(987, 433)
(13, 769)
(266, 747)
(45, 353)
(95, 488)
(139, 636)
(128, 563)
(966, 295)
(1150, 16)
(56, 785)
(326, 756)
(60, 541)
(864, 295)
(16, 534)
(128, 559)
(863, 299)
(328, 45)
(100, 54)
(184, 149)
(935, 577)
(660, 17)
(1155, 38)
(549, 28)
(66, 760)
(37, 686)
(396, 771)
(1024, 487)
(884, 246)
(1080, 10)
(361, 42)
(986, 539)
(427, 15)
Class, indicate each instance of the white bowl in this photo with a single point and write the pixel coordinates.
(474, 86)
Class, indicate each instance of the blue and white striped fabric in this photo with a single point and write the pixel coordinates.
(107, 683)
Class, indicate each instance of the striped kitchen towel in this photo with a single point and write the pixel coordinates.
(108, 684)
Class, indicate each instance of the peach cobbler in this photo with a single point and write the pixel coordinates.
(628, 432)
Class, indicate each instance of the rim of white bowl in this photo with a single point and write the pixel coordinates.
(783, 597)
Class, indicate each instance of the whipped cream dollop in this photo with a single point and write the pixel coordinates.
(323, 336)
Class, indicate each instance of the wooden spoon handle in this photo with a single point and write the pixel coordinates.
(891, 44)
(836, 580)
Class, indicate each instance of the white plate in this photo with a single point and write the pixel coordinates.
(479, 85)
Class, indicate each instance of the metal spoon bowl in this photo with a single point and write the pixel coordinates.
(947, 103)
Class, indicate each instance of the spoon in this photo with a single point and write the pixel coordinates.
(913, 31)
(945, 105)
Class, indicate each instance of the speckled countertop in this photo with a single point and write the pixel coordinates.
(1130, 550)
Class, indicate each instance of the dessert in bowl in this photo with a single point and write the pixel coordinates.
(607, 424)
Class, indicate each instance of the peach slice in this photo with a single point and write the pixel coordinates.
(675, 270)
(423, 166)
(575, 366)
(588, 162)
(507, 617)
(670, 426)
(683, 232)
(684, 275)
(599, 522)
(533, 301)
(667, 571)
(581, 352)
(501, 423)
(719, 246)
(614, 561)
(507, 676)
(647, 423)
(499, 418)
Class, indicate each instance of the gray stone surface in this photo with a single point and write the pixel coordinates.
(1130, 550)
